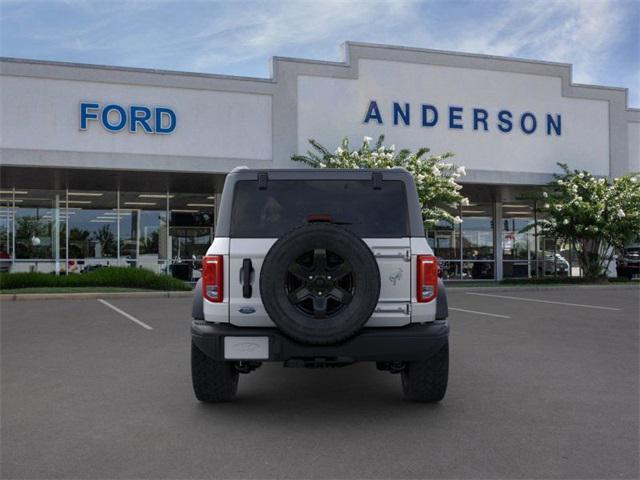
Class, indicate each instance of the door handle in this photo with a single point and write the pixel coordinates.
(247, 270)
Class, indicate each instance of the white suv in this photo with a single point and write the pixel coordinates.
(318, 268)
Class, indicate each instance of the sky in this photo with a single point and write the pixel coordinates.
(601, 38)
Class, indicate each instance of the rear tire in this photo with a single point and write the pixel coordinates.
(426, 380)
(212, 381)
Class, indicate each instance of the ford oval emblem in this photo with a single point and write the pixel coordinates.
(246, 347)
(247, 310)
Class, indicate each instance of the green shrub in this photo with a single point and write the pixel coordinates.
(103, 277)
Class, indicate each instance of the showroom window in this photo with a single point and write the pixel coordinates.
(477, 241)
(518, 240)
(465, 251)
(92, 218)
(77, 231)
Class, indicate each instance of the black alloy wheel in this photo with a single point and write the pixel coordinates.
(320, 283)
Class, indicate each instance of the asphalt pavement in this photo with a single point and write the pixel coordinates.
(543, 384)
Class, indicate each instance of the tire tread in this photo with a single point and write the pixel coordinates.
(426, 380)
(213, 381)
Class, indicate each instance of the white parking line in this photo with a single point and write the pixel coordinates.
(125, 314)
(543, 301)
(479, 313)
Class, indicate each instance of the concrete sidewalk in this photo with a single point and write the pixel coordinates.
(92, 295)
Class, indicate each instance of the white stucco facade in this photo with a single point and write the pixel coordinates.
(224, 121)
(330, 107)
(104, 165)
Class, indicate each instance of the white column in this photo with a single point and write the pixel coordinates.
(497, 241)
(56, 233)
(118, 262)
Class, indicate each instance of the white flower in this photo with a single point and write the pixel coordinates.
(581, 175)
(354, 154)
(464, 202)
(457, 220)
(435, 170)
(560, 182)
(545, 195)
(546, 205)
(461, 170)
(339, 151)
(367, 139)
(565, 221)
(322, 165)
(392, 148)
(621, 213)
(634, 179)
(558, 207)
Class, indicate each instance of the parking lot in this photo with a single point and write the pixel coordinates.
(544, 383)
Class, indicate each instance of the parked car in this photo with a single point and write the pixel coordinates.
(554, 264)
(5, 262)
(628, 263)
(320, 268)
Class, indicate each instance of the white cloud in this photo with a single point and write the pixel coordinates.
(258, 33)
(240, 37)
(573, 31)
(581, 32)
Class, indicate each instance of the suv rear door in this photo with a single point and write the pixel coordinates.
(264, 211)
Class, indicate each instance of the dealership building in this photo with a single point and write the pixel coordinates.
(106, 165)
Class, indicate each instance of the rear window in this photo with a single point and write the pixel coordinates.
(287, 204)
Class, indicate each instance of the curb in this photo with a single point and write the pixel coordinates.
(91, 295)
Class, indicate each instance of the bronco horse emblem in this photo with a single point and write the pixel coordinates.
(395, 276)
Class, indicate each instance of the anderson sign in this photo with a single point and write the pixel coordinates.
(460, 118)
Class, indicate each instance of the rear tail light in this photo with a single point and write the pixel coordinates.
(213, 278)
(427, 278)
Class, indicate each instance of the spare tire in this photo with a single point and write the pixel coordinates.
(320, 283)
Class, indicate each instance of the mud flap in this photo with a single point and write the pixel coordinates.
(442, 307)
(197, 309)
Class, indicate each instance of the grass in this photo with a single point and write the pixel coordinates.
(125, 278)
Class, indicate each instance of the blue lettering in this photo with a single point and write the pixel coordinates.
(139, 115)
(557, 125)
(162, 112)
(105, 118)
(523, 123)
(399, 112)
(373, 112)
(85, 114)
(425, 116)
(480, 115)
(504, 117)
(455, 113)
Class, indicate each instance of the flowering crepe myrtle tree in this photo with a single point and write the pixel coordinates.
(596, 216)
(435, 178)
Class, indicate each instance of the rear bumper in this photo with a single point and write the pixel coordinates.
(410, 343)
